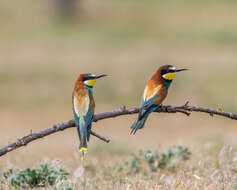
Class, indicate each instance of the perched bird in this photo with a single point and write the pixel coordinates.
(155, 92)
(83, 107)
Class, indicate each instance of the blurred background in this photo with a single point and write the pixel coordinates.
(45, 45)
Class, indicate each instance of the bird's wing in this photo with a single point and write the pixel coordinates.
(75, 112)
(89, 119)
(150, 92)
(149, 100)
(147, 107)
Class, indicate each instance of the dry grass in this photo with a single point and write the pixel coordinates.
(207, 169)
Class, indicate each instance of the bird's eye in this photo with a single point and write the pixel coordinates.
(171, 71)
(85, 78)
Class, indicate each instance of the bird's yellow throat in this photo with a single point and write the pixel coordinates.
(169, 76)
(90, 82)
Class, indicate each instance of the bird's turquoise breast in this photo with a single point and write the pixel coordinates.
(167, 83)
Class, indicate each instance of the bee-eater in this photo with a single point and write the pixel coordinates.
(155, 92)
(83, 107)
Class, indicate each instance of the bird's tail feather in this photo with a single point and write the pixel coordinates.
(138, 124)
(83, 142)
(82, 132)
(83, 146)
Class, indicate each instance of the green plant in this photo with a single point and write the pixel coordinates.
(174, 155)
(151, 159)
(168, 159)
(42, 177)
(133, 165)
(66, 187)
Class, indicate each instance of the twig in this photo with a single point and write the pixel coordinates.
(184, 109)
(100, 137)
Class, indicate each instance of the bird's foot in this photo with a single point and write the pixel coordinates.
(83, 151)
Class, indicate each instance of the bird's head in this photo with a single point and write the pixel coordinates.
(168, 72)
(89, 80)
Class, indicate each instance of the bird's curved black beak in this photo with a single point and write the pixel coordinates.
(178, 70)
(100, 76)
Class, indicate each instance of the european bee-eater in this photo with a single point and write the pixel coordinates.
(84, 106)
(155, 92)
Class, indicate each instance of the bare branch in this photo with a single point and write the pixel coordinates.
(184, 109)
(34, 136)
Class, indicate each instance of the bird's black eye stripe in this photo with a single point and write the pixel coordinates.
(163, 71)
(86, 78)
(171, 71)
